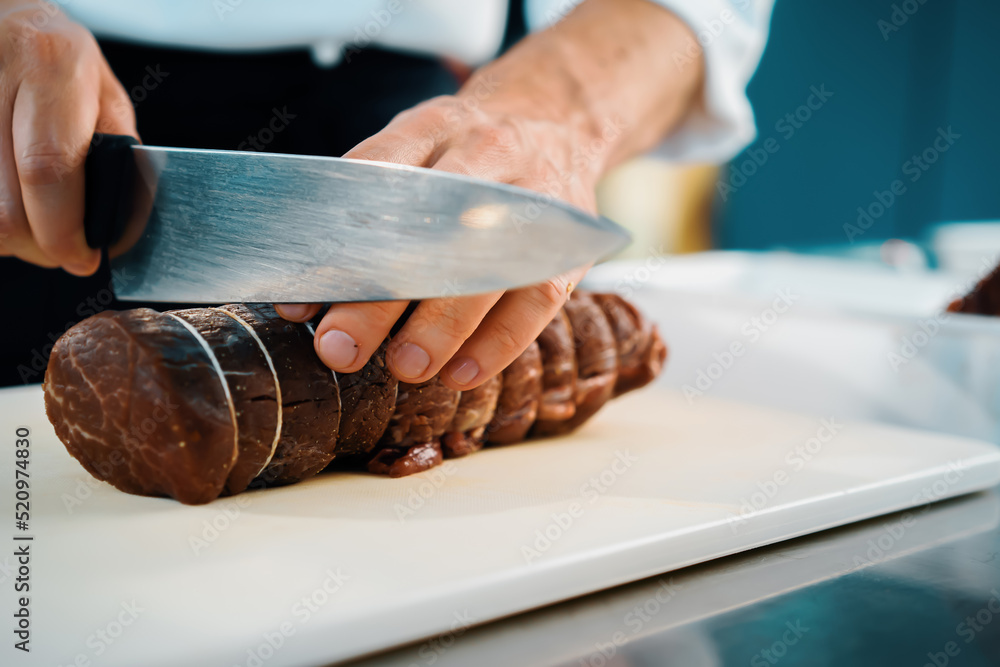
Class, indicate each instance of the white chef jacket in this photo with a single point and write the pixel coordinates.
(732, 34)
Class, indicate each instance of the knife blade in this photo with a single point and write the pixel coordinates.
(210, 226)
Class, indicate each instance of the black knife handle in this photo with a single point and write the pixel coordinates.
(109, 175)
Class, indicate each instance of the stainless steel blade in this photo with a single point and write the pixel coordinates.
(229, 226)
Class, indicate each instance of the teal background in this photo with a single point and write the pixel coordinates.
(941, 68)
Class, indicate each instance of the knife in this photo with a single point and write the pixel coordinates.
(210, 226)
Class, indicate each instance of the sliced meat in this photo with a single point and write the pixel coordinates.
(641, 351)
(140, 400)
(253, 385)
(558, 370)
(423, 413)
(400, 462)
(596, 363)
(309, 397)
(475, 410)
(368, 398)
(517, 406)
(654, 356)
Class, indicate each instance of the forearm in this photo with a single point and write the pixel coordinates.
(619, 71)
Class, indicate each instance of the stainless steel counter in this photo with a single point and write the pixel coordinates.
(913, 588)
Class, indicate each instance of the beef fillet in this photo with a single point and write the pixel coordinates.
(196, 403)
(641, 352)
(558, 370)
(467, 430)
(139, 399)
(368, 398)
(517, 406)
(596, 363)
(253, 384)
(310, 400)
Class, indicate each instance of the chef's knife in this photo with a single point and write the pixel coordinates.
(208, 226)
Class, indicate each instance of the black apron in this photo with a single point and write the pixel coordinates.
(278, 102)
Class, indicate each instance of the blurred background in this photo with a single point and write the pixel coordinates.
(872, 208)
(892, 87)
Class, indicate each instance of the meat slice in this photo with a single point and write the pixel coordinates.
(475, 410)
(517, 406)
(253, 384)
(641, 352)
(558, 370)
(423, 412)
(400, 462)
(368, 398)
(140, 400)
(310, 400)
(596, 363)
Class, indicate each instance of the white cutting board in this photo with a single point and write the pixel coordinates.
(376, 579)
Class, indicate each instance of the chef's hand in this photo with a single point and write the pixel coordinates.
(56, 90)
(552, 115)
(479, 334)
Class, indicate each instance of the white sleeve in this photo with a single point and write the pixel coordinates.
(732, 34)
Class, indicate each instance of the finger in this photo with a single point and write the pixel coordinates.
(350, 332)
(54, 116)
(116, 115)
(15, 234)
(491, 152)
(297, 312)
(508, 329)
(414, 137)
(433, 333)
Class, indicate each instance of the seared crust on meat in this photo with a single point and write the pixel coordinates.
(138, 400)
(517, 406)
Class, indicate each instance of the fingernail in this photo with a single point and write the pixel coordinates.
(464, 371)
(337, 349)
(410, 360)
(296, 312)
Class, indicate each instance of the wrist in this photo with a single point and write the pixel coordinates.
(609, 71)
